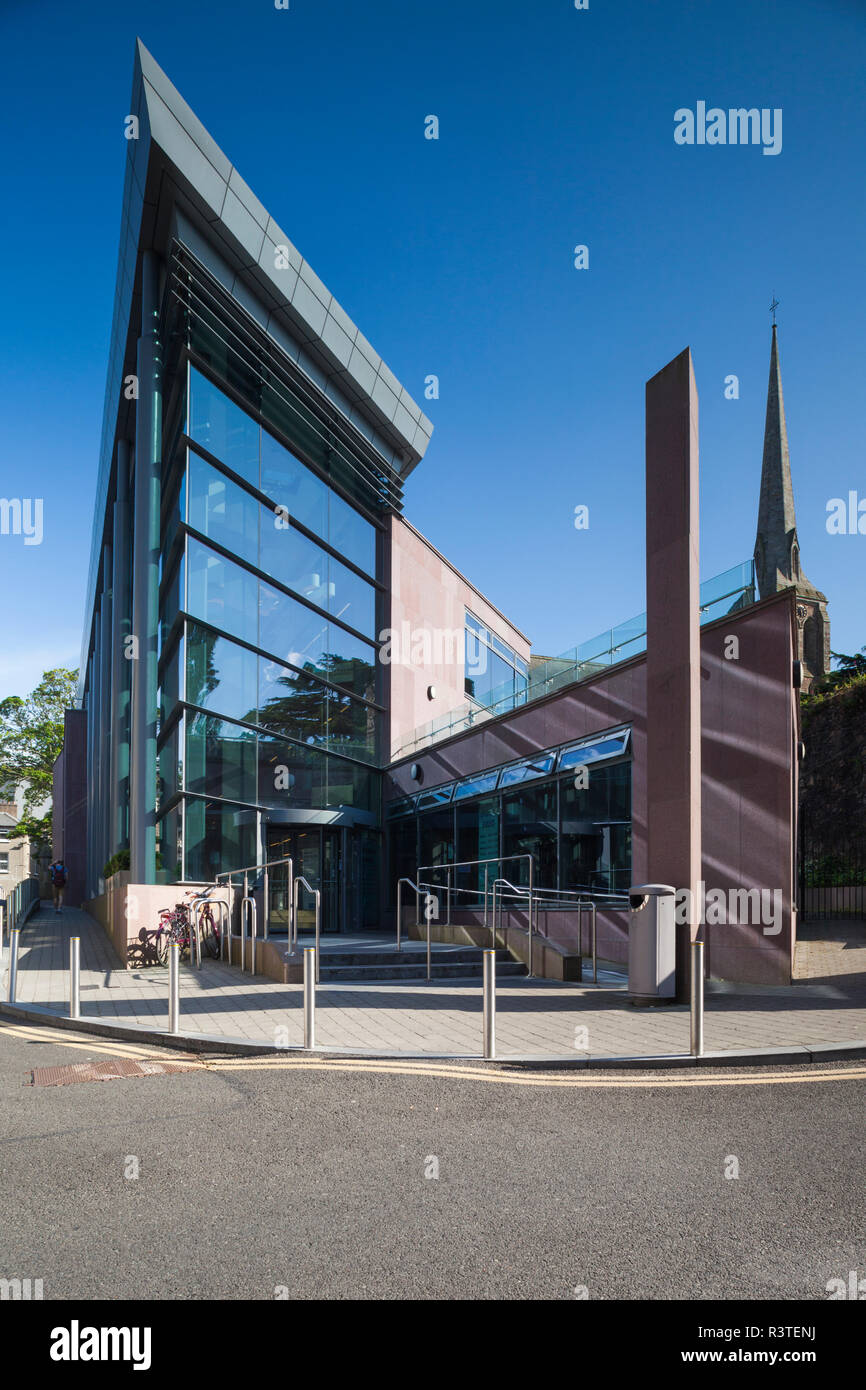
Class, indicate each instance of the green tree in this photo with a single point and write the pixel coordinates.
(31, 736)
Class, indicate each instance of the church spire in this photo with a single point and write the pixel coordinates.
(777, 549)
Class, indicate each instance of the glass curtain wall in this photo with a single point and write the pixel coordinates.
(268, 662)
(578, 839)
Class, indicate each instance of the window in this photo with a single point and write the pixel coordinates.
(220, 675)
(223, 428)
(4, 862)
(525, 771)
(222, 511)
(590, 751)
(220, 758)
(310, 501)
(493, 672)
(219, 837)
(221, 593)
(474, 786)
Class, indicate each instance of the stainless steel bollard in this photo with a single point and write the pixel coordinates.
(697, 999)
(13, 964)
(75, 977)
(174, 987)
(488, 1008)
(310, 963)
(594, 948)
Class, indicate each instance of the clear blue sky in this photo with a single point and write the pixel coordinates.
(456, 258)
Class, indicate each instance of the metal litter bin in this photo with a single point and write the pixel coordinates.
(651, 944)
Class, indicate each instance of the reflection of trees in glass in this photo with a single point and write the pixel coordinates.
(202, 675)
(300, 713)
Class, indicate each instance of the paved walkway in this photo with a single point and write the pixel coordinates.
(534, 1017)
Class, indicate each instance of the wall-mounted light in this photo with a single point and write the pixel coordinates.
(431, 692)
(415, 772)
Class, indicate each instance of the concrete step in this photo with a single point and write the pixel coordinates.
(383, 963)
(465, 970)
(443, 955)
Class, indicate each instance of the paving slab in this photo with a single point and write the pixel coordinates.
(584, 1022)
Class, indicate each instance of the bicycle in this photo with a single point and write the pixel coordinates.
(176, 926)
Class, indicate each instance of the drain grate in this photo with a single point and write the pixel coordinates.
(107, 1071)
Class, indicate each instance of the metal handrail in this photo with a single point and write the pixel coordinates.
(263, 869)
(519, 892)
(317, 895)
(248, 904)
(474, 864)
(400, 882)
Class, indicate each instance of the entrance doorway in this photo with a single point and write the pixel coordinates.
(341, 861)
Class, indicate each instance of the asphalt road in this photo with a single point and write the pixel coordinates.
(258, 1183)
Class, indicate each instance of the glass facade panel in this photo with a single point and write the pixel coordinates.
(220, 758)
(526, 771)
(437, 837)
(170, 687)
(351, 598)
(292, 703)
(170, 847)
(222, 511)
(474, 786)
(170, 770)
(220, 675)
(292, 632)
(351, 535)
(477, 838)
(351, 727)
(221, 593)
(219, 837)
(223, 428)
(592, 752)
(294, 777)
(529, 825)
(293, 559)
(596, 831)
(172, 602)
(294, 487)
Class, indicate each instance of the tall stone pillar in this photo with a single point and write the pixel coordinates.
(673, 642)
(145, 585)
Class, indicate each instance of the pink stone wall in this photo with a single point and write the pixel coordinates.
(428, 594)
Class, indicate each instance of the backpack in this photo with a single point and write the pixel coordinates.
(58, 876)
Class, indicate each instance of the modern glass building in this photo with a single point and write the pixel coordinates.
(276, 664)
(254, 446)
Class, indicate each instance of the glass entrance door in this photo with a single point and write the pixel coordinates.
(316, 854)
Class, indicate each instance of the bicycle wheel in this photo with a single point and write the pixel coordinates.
(161, 946)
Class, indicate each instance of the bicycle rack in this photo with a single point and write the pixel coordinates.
(223, 907)
(318, 897)
(248, 902)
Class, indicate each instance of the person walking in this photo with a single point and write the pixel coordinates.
(57, 873)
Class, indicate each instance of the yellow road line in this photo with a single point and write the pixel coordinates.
(438, 1070)
(100, 1043)
(470, 1073)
